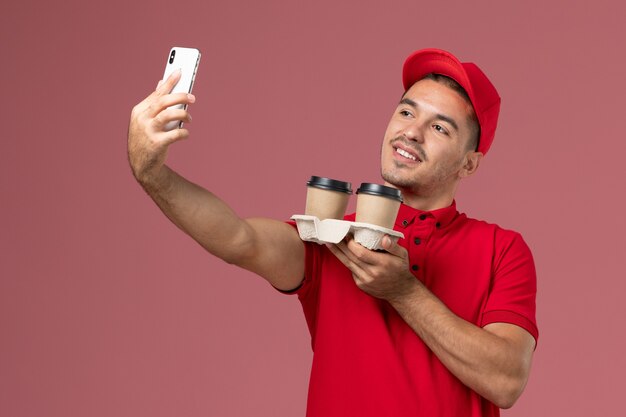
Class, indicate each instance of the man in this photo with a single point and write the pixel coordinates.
(442, 323)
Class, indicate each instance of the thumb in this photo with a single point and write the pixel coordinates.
(392, 247)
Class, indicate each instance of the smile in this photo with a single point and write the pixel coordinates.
(406, 154)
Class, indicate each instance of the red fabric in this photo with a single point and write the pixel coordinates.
(368, 362)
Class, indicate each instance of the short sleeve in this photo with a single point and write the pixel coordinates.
(308, 290)
(512, 296)
(311, 259)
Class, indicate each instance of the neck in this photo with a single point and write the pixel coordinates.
(424, 201)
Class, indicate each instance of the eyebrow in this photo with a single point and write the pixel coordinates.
(439, 116)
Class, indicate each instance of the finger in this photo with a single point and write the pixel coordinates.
(358, 274)
(361, 253)
(169, 100)
(170, 115)
(163, 87)
(392, 247)
(347, 252)
(338, 253)
(170, 82)
(345, 259)
(174, 136)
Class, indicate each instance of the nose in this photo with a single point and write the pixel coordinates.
(413, 132)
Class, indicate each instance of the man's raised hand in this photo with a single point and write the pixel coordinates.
(148, 140)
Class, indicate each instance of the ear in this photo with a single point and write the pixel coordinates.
(471, 163)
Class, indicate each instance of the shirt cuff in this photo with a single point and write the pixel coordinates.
(504, 316)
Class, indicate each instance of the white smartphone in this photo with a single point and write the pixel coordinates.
(187, 60)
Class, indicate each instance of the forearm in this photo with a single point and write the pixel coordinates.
(199, 213)
(487, 363)
(278, 256)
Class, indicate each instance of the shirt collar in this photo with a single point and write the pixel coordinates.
(442, 216)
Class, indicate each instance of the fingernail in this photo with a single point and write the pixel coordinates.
(160, 83)
(191, 98)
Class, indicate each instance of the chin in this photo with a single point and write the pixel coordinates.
(398, 181)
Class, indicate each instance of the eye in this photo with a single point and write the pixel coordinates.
(440, 129)
(405, 113)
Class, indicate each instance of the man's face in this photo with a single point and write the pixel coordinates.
(426, 142)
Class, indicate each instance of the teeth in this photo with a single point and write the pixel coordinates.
(406, 154)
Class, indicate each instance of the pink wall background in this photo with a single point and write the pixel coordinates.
(106, 309)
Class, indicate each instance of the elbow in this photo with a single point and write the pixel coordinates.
(507, 379)
(505, 402)
(507, 393)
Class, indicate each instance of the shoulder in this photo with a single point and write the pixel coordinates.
(502, 240)
(482, 226)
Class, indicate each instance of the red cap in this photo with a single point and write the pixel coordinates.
(481, 92)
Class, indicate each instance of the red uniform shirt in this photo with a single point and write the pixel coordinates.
(368, 362)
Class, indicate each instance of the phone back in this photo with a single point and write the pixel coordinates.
(187, 60)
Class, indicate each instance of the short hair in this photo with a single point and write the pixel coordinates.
(451, 83)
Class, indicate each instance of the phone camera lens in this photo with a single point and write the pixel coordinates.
(172, 55)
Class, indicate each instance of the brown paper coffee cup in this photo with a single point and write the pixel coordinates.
(327, 198)
(378, 204)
